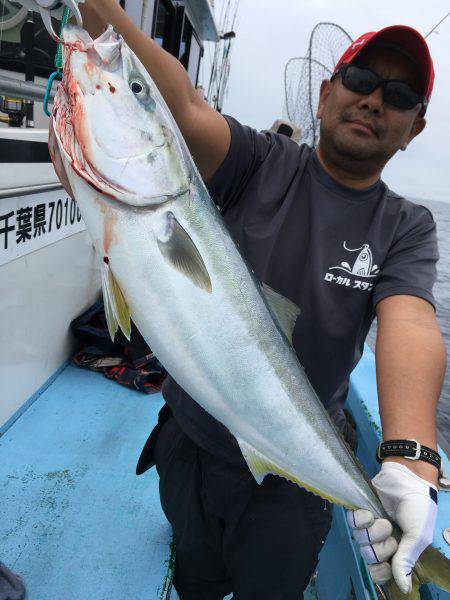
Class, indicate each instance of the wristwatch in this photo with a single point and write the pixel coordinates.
(410, 449)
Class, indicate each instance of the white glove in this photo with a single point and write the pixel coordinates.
(411, 502)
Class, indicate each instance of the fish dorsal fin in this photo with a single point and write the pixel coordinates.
(284, 310)
(260, 466)
(116, 308)
(180, 251)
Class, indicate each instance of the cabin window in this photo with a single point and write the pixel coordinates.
(194, 59)
(25, 47)
(185, 44)
(163, 24)
(190, 51)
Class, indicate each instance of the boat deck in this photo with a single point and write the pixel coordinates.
(76, 523)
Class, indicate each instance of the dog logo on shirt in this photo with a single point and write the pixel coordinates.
(363, 265)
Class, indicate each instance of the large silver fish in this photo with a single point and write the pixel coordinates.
(169, 263)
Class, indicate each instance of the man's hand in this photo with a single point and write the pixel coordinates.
(411, 502)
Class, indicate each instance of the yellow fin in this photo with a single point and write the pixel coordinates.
(116, 308)
(284, 310)
(260, 466)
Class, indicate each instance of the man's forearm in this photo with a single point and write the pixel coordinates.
(411, 359)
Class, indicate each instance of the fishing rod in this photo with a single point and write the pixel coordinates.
(220, 68)
(437, 25)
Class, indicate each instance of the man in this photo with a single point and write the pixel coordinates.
(324, 230)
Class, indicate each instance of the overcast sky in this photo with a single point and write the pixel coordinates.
(270, 32)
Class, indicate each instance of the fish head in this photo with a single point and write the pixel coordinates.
(363, 262)
(113, 125)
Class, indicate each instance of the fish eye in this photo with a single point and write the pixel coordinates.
(139, 88)
(136, 87)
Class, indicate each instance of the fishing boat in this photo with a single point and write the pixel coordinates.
(76, 523)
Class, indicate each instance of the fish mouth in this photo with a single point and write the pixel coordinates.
(127, 159)
(73, 153)
(156, 201)
(103, 50)
(80, 136)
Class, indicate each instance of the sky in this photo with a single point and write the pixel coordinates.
(270, 32)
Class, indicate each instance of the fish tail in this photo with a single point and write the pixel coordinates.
(432, 567)
(393, 592)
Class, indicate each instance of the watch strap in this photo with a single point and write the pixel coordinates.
(410, 449)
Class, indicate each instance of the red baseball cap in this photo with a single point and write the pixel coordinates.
(405, 37)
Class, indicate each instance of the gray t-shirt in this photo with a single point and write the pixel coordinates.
(333, 250)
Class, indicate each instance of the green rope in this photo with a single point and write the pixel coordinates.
(58, 56)
(58, 62)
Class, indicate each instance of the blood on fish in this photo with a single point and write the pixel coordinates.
(98, 87)
(76, 45)
(112, 89)
(90, 68)
(57, 160)
(106, 260)
(71, 127)
(108, 228)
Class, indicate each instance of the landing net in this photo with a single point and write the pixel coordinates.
(303, 76)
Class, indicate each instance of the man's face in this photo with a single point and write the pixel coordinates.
(365, 128)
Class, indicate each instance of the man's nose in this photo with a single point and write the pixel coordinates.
(373, 102)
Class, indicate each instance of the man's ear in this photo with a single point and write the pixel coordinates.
(418, 127)
(325, 88)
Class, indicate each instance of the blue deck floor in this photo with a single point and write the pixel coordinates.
(76, 523)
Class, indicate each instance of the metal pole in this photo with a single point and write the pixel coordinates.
(27, 38)
(23, 89)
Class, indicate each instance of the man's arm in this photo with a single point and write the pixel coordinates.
(205, 130)
(411, 360)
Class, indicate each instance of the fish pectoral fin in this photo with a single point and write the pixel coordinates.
(284, 310)
(260, 466)
(180, 251)
(116, 308)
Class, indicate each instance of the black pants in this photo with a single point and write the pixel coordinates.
(260, 542)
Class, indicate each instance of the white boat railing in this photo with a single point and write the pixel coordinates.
(9, 86)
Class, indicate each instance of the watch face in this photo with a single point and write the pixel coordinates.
(11, 14)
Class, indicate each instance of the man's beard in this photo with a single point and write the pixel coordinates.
(350, 152)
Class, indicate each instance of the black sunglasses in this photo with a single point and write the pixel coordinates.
(364, 81)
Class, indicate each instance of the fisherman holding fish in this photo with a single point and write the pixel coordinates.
(321, 228)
